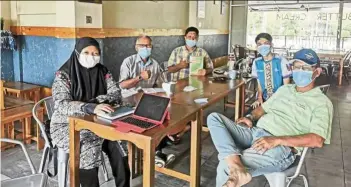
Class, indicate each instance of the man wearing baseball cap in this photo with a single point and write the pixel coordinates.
(296, 116)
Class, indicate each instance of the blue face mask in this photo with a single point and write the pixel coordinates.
(144, 52)
(264, 49)
(190, 43)
(302, 78)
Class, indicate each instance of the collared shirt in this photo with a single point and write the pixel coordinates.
(290, 113)
(132, 67)
(182, 53)
(270, 74)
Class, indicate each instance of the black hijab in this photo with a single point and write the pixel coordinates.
(86, 84)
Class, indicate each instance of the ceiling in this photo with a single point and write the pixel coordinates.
(293, 5)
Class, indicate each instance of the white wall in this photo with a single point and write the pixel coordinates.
(145, 14)
(213, 17)
(65, 13)
(33, 13)
(88, 9)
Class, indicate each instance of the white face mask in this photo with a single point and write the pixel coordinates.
(88, 61)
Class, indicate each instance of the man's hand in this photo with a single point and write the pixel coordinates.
(183, 64)
(201, 72)
(257, 103)
(263, 144)
(145, 75)
(245, 121)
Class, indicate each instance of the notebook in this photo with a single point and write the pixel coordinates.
(118, 113)
(150, 112)
(196, 63)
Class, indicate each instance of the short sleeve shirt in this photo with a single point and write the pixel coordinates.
(290, 113)
(182, 53)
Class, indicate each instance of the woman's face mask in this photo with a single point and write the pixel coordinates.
(88, 61)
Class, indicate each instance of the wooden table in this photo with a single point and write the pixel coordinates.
(20, 113)
(180, 115)
(23, 90)
(214, 91)
(13, 102)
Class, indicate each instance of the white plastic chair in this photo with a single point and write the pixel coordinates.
(62, 156)
(33, 180)
(284, 178)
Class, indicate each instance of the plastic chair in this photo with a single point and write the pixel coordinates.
(62, 156)
(284, 178)
(324, 88)
(33, 180)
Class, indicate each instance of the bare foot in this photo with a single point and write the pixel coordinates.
(238, 176)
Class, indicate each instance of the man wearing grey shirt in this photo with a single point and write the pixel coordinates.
(140, 70)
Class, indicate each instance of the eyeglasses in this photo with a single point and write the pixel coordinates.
(302, 67)
(144, 45)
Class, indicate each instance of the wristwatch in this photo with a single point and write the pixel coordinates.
(250, 117)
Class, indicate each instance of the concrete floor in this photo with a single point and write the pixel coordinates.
(325, 167)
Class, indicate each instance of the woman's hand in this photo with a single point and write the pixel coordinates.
(103, 108)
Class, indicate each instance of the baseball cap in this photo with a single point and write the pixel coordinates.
(308, 56)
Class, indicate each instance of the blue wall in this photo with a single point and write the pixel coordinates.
(38, 57)
(7, 69)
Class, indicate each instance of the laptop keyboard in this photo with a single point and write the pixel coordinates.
(137, 122)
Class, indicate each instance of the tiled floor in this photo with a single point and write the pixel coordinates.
(329, 166)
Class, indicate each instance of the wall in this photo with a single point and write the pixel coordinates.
(145, 14)
(5, 7)
(88, 9)
(6, 65)
(116, 24)
(213, 18)
(33, 13)
(239, 24)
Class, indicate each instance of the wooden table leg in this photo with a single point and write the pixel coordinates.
(149, 164)
(40, 141)
(74, 154)
(195, 150)
(131, 159)
(237, 104)
(341, 65)
(3, 135)
(27, 130)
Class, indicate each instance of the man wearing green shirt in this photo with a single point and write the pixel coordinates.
(296, 116)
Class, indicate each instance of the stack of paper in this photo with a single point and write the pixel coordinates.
(153, 90)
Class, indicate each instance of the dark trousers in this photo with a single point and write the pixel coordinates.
(119, 166)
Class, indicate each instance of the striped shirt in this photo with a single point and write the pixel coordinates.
(182, 53)
(132, 67)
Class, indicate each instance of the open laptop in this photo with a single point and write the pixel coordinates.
(150, 112)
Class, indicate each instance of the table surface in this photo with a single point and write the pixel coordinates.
(21, 86)
(206, 88)
(12, 102)
(177, 113)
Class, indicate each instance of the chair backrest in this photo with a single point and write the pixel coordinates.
(324, 88)
(49, 105)
(347, 59)
(24, 151)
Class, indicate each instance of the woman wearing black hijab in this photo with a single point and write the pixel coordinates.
(81, 86)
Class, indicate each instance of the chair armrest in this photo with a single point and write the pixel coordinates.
(24, 150)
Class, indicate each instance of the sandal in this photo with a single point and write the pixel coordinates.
(172, 140)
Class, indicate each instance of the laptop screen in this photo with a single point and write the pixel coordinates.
(152, 107)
